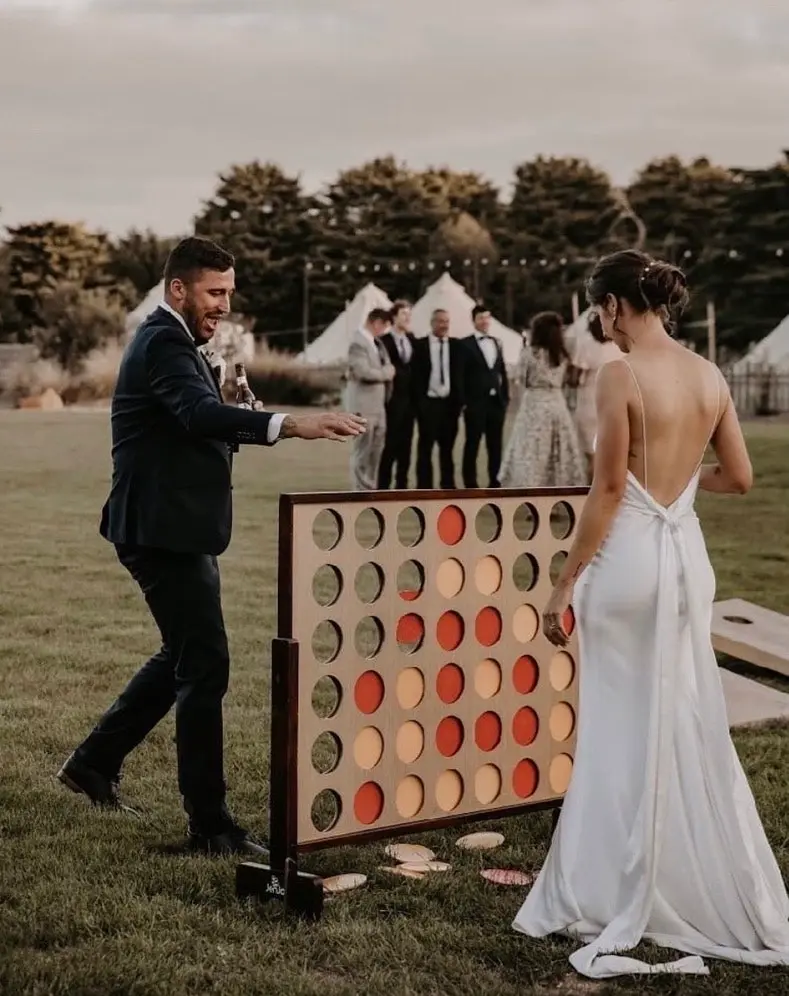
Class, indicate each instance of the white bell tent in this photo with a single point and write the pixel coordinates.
(772, 351)
(448, 294)
(147, 306)
(331, 346)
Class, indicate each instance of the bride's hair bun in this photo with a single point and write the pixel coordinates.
(646, 284)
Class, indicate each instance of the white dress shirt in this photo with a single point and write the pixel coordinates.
(275, 423)
(488, 346)
(439, 384)
(402, 345)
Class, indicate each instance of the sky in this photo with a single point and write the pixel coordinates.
(122, 113)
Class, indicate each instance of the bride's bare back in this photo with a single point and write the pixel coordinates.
(674, 410)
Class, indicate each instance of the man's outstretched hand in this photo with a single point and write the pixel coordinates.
(327, 425)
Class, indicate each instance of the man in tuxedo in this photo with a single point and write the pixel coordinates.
(399, 344)
(437, 381)
(370, 376)
(486, 397)
(169, 517)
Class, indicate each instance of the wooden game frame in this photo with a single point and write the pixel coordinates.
(281, 878)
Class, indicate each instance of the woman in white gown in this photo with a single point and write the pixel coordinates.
(659, 838)
(591, 351)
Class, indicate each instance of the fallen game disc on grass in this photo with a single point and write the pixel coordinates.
(506, 876)
(480, 841)
(402, 870)
(409, 852)
(426, 866)
(343, 883)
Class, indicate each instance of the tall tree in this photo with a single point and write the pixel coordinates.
(44, 255)
(136, 261)
(562, 210)
(261, 215)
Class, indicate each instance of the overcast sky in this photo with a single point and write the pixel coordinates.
(119, 114)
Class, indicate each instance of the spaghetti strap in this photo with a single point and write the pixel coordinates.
(643, 421)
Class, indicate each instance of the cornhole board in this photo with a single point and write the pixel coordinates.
(751, 633)
(749, 702)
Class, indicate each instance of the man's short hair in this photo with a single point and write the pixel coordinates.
(193, 255)
(479, 309)
(379, 315)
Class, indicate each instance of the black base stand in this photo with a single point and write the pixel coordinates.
(300, 892)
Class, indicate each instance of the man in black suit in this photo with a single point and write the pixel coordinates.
(169, 516)
(486, 396)
(437, 382)
(399, 344)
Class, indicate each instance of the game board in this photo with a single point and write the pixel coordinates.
(412, 687)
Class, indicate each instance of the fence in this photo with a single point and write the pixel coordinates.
(759, 391)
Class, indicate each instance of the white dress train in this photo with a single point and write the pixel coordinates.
(659, 837)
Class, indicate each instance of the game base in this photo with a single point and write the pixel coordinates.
(299, 891)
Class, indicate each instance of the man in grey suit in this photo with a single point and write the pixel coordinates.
(370, 376)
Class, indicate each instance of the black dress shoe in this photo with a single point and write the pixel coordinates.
(101, 790)
(233, 839)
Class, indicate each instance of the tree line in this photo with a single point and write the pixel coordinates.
(302, 256)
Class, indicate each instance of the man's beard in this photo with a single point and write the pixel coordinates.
(194, 321)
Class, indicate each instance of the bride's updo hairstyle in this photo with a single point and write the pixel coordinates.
(646, 284)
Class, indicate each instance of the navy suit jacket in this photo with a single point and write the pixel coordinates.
(173, 439)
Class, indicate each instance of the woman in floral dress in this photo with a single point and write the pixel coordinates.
(543, 449)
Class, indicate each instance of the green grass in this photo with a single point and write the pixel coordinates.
(90, 903)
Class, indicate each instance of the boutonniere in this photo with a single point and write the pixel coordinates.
(217, 364)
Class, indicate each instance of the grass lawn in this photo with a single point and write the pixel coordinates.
(91, 903)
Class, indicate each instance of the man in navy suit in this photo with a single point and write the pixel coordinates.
(169, 516)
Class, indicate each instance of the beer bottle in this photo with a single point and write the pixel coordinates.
(244, 396)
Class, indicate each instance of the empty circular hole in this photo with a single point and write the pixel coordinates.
(326, 752)
(368, 803)
(488, 523)
(368, 692)
(410, 526)
(487, 575)
(368, 637)
(409, 796)
(449, 790)
(410, 580)
(326, 641)
(525, 572)
(450, 682)
(326, 585)
(525, 521)
(369, 583)
(410, 632)
(326, 529)
(326, 697)
(451, 525)
(325, 810)
(739, 619)
(562, 520)
(557, 564)
(410, 688)
(450, 577)
(368, 748)
(369, 528)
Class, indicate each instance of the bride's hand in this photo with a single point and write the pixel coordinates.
(553, 615)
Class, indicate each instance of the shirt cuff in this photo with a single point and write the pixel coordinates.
(274, 426)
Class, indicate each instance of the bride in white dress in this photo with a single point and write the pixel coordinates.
(659, 838)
